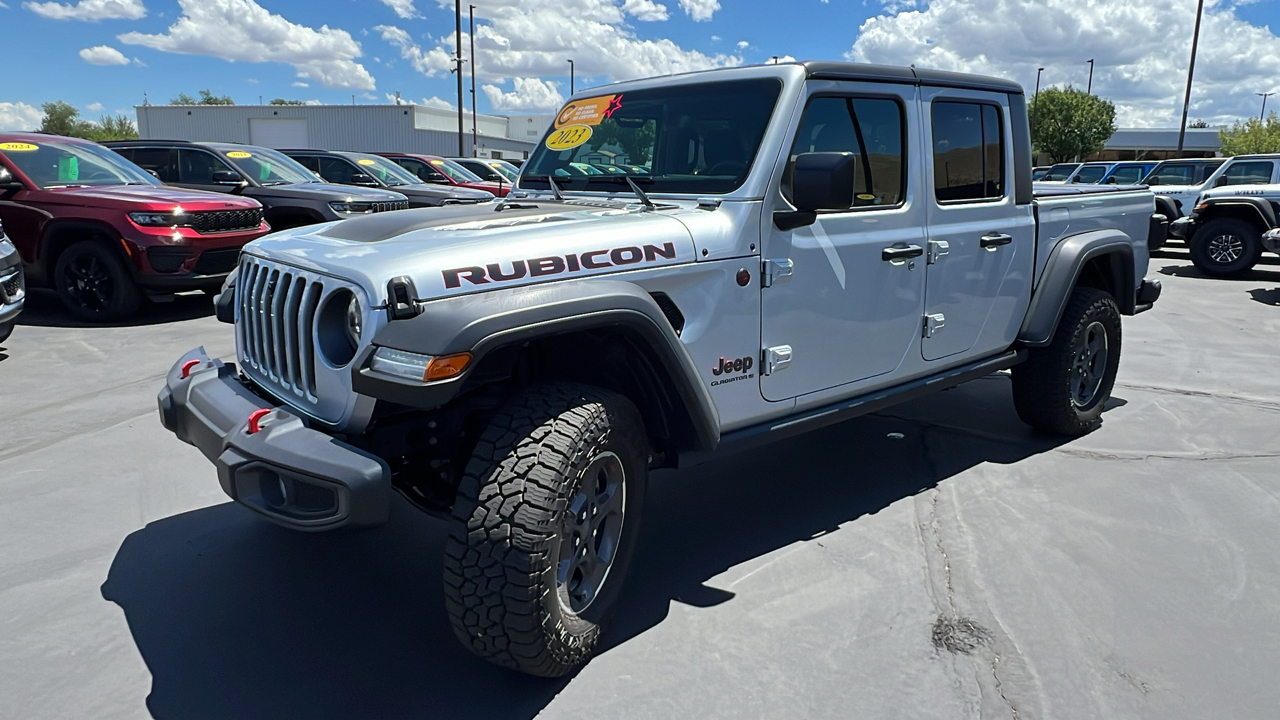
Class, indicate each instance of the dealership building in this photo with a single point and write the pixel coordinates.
(364, 128)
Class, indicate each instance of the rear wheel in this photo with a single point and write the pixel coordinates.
(1063, 388)
(1226, 247)
(544, 527)
(94, 284)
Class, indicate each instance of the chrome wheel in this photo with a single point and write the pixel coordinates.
(590, 532)
(1089, 365)
(1226, 248)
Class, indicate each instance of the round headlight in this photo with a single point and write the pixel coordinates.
(354, 318)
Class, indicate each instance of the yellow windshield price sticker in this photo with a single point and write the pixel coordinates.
(366, 161)
(567, 138)
(18, 147)
(239, 154)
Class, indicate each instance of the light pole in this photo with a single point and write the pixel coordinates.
(1035, 106)
(1089, 91)
(471, 17)
(571, 90)
(457, 44)
(1262, 116)
(1191, 71)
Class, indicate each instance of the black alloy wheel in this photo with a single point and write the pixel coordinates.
(94, 284)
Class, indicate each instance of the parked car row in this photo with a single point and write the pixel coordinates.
(107, 225)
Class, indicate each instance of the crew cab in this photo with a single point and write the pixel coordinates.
(810, 242)
(364, 170)
(1239, 170)
(102, 232)
(1227, 230)
(442, 171)
(291, 195)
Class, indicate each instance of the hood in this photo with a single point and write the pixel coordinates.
(455, 250)
(150, 197)
(326, 192)
(442, 192)
(1270, 192)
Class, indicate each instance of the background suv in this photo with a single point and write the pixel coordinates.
(291, 195)
(440, 171)
(101, 230)
(360, 169)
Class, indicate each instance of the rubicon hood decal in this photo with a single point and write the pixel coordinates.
(558, 265)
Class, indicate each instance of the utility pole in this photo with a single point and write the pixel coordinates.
(1089, 90)
(1035, 106)
(1191, 71)
(471, 16)
(571, 90)
(1262, 116)
(457, 44)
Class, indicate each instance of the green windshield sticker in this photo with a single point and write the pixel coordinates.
(264, 171)
(68, 168)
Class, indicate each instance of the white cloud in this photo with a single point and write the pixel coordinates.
(530, 94)
(402, 8)
(94, 107)
(743, 44)
(1140, 49)
(534, 38)
(645, 10)
(3, 6)
(242, 30)
(139, 63)
(700, 10)
(19, 116)
(91, 10)
(103, 55)
(433, 101)
(781, 59)
(312, 102)
(299, 83)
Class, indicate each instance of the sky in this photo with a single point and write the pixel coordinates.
(106, 56)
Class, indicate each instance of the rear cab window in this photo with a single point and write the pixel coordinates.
(968, 152)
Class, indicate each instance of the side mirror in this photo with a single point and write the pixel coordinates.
(1220, 181)
(363, 180)
(819, 181)
(8, 181)
(226, 177)
(1112, 180)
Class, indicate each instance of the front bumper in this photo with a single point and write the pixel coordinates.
(13, 288)
(1271, 240)
(1146, 296)
(1182, 228)
(292, 474)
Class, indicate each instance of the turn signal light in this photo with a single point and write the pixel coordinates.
(447, 366)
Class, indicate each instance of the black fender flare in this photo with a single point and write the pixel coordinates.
(483, 322)
(1062, 272)
(1211, 209)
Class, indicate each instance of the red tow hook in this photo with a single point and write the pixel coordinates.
(186, 368)
(255, 420)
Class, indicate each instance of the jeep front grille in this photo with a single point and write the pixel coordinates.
(226, 220)
(387, 206)
(277, 313)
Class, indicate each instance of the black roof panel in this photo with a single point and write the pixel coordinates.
(915, 76)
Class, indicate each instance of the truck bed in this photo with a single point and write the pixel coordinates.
(1066, 210)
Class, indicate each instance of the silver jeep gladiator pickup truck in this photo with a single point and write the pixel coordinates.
(764, 250)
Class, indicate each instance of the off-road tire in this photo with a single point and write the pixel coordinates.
(1043, 384)
(103, 275)
(1226, 236)
(503, 551)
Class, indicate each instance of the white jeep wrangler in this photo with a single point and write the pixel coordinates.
(688, 264)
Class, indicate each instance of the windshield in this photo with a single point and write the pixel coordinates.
(456, 172)
(510, 172)
(1061, 171)
(52, 162)
(686, 139)
(383, 170)
(267, 166)
(1090, 174)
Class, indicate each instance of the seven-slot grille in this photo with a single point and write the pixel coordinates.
(277, 314)
(390, 205)
(226, 220)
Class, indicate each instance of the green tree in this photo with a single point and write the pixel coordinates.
(61, 118)
(114, 127)
(206, 98)
(1068, 123)
(282, 101)
(1252, 136)
(1197, 123)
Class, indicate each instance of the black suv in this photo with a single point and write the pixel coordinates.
(291, 195)
(364, 170)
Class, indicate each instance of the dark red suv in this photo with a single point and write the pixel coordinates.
(102, 232)
(442, 171)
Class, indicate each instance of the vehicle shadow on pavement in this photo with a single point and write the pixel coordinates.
(44, 309)
(1258, 273)
(237, 618)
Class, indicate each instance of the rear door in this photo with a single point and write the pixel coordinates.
(196, 167)
(978, 236)
(159, 161)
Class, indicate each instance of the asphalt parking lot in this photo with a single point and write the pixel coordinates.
(968, 568)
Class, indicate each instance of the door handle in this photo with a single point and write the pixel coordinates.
(891, 254)
(995, 240)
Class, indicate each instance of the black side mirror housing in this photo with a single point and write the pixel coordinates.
(819, 181)
(226, 177)
(363, 180)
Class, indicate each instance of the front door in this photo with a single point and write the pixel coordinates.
(978, 238)
(850, 308)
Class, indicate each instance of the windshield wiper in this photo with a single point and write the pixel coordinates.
(555, 189)
(635, 188)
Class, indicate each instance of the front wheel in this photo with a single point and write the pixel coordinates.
(1063, 388)
(544, 527)
(94, 284)
(1226, 247)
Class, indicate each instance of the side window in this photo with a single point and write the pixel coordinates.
(308, 161)
(871, 129)
(1247, 173)
(198, 166)
(1126, 176)
(155, 160)
(424, 171)
(968, 152)
(336, 170)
